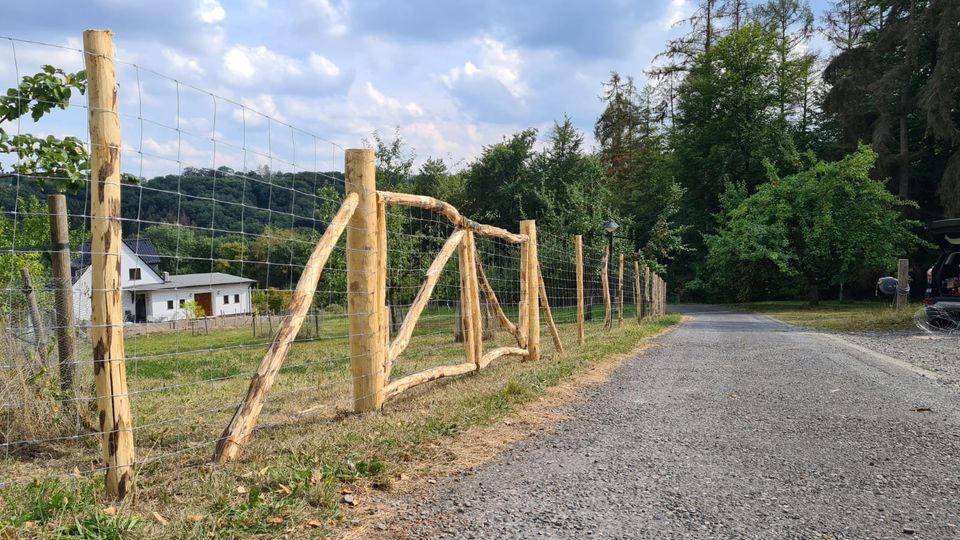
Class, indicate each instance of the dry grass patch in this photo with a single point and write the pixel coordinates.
(845, 317)
(312, 467)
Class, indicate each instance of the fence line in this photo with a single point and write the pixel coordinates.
(412, 313)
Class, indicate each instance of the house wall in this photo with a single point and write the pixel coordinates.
(158, 310)
(128, 259)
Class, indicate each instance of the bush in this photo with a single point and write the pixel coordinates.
(334, 309)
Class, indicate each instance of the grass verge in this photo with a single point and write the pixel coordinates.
(843, 317)
(304, 476)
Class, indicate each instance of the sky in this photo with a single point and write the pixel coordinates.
(289, 84)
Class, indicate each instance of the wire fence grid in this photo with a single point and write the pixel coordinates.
(214, 245)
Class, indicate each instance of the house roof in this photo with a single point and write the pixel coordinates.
(184, 281)
(143, 247)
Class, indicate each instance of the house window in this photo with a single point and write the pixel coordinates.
(169, 304)
(236, 299)
(226, 299)
(134, 274)
(182, 301)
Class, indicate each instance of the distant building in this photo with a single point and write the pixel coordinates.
(153, 296)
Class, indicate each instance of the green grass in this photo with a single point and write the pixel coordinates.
(185, 388)
(829, 315)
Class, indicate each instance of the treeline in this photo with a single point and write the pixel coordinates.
(763, 137)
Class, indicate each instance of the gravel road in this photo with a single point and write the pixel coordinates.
(738, 426)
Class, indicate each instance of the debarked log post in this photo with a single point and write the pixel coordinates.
(548, 314)
(365, 290)
(532, 289)
(578, 252)
(106, 333)
(244, 420)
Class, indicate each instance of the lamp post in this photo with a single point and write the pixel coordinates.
(611, 227)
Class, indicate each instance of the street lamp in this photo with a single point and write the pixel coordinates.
(611, 227)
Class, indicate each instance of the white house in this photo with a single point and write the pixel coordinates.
(153, 296)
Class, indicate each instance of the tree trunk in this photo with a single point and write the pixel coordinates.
(813, 294)
(903, 183)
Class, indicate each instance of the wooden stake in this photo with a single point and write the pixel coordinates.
(647, 304)
(492, 300)
(402, 339)
(578, 251)
(245, 418)
(903, 283)
(364, 307)
(62, 288)
(548, 314)
(523, 325)
(529, 228)
(477, 317)
(381, 298)
(469, 302)
(637, 292)
(109, 367)
(39, 333)
(620, 288)
(605, 282)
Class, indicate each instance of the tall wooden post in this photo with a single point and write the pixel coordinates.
(903, 283)
(39, 333)
(365, 288)
(620, 285)
(470, 301)
(529, 228)
(578, 249)
(62, 288)
(646, 293)
(637, 292)
(605, 282)
(109, 366)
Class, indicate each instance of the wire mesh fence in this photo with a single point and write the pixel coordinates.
(220, 209)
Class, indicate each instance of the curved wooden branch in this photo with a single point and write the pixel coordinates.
(505, 322)
(450, 212)
(405, 383)
(548, 314)
(499, 353)
(402, 339)
(241, 426)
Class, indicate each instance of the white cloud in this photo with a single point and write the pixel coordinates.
(323, 66)
(180, 62)
(210, 11)
(258, 108)
(248, 65)
(497, 63)
(390, 103)
(334, 13)
(678, 11)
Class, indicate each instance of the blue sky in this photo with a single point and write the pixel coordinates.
(453, 75)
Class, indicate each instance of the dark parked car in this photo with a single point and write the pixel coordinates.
(943, 278)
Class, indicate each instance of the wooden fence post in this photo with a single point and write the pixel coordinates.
(470, 301)
(605, 282)
(109, 366)
(364, 285)
(529, 228)
(63, 288)
(36, 320)
(647, 305)
(637, 291)
(903, 283)
(620, 285)
(578, 249)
